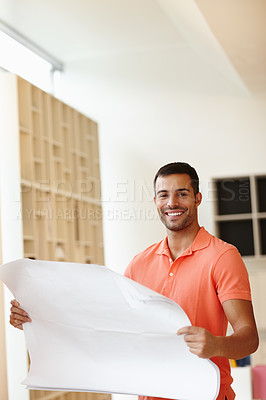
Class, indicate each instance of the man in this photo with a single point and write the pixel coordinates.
(203, 274)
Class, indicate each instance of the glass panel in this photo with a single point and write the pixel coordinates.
(262, 224)
(238, 233)
(233, 196)
(261, 190)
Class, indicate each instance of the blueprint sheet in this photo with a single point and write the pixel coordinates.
(95, 330)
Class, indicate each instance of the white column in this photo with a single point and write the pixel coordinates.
(11, 226)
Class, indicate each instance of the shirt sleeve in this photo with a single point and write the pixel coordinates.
(231, 277)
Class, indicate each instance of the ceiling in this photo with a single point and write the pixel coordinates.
(229, 34)
(240, 28)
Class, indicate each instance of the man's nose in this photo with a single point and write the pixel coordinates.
(172, 201)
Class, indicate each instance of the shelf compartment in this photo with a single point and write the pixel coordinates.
(239, 233)
(46, 117)
(262, 228)
(85, 187)
(41, 238)
(70, 207)
(261, 193)
(74, 167)
(56, 118)
(57, 150)
(76, 135)
(36, 124)
(26, 154)
(66, 147)
(61, 216)
(58, 170)
(97, 188)
(84, 130)
(95, 150)
(90, 156)
(35, 97)
(84, 161)
(47, 161)
(28, 210)
(65, 114)
(60, 251)
(37, 147)
(38, 170)
(84, 181)
(29, 246)
(44, 222)
(233, 195)
(73, 138)
(82, 219)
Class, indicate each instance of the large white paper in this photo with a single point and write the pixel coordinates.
(95, 330)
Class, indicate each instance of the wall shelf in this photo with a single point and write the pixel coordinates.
(61, 210)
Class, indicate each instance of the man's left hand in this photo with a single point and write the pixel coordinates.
(200, 341)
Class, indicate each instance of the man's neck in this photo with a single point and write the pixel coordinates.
(179, 241)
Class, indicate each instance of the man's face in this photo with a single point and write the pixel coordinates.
(176, 202)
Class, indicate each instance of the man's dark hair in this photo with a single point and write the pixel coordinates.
(179, 168)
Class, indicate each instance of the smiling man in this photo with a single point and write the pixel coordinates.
(203, 274)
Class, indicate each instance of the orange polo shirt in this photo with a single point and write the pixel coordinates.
(205, 275)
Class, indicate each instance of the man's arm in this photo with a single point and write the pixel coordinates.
(241, 343)
(18, 316)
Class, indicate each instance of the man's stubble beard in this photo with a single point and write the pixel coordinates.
(175, 227)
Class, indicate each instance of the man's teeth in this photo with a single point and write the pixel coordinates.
(175, 213)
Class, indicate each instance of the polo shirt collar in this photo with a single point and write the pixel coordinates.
(201, 241)
(163, 248)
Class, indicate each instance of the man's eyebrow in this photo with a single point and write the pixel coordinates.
(177, 190)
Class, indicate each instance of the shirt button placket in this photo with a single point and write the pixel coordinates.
(169, 280)
(171, 264)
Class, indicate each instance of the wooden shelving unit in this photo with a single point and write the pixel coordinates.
(60, 189)
(60, 179)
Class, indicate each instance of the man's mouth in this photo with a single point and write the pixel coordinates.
(174, 213)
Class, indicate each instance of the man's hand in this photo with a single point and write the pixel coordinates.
(18, 316)
(200, 341)
(241, 343)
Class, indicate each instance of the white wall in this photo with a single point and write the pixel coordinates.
(188, 112)
(153, 107)
(11, 228)
(147, 120)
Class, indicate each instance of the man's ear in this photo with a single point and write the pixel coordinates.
(198, 199)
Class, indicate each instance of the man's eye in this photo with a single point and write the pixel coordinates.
(162, 195)
(181, 194)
